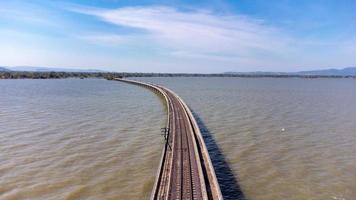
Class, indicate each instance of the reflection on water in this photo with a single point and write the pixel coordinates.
(286, 138)
(78, 139)
(270, 139)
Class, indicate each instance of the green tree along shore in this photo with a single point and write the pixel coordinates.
(112, 75)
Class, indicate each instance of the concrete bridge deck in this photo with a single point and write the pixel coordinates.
(185, 170)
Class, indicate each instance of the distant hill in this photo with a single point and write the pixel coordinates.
(258, 73)
(50, 69)
(350, 71)
(3, 69)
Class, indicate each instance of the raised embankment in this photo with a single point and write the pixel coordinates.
(185, 170)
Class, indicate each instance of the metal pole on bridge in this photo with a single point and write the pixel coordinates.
(165, 132)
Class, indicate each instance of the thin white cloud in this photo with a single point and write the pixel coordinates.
(27, 12)
(196, 32)
(104, 39)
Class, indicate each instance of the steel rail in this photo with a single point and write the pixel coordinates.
(185, 170)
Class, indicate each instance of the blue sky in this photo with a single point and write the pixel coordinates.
(179, 36)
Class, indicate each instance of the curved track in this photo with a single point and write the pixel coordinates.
(185, 170)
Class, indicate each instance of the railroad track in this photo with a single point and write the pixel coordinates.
(185, 170)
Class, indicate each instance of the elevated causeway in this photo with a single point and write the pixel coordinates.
(185, 170)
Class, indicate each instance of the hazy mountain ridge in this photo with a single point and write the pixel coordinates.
(3, 69)
(349, 71)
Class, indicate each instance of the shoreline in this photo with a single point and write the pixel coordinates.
(113, 75)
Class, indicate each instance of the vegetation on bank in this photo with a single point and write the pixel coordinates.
(57, 75)
(112, 75)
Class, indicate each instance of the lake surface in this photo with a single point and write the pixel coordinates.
(281, 138)
(78, 139)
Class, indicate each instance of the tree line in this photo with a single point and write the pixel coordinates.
(56, 75)
(112, 75)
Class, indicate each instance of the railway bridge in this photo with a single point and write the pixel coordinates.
(185, 170)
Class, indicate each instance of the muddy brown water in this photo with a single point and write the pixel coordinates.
(271, 139)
